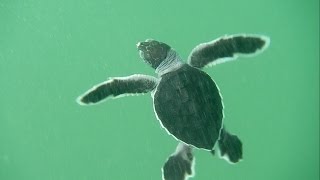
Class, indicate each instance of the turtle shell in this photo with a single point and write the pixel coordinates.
(188, 104)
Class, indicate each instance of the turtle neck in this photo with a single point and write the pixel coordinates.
(171, 63)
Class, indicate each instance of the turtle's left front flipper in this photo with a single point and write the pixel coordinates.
(227, 48)
(117, 86)
(179, 165)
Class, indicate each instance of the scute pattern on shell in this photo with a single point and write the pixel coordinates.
(189, 106)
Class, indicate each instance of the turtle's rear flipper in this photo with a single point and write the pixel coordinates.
(179, 165)
(227, 48)
(115, 87)
(230, 147)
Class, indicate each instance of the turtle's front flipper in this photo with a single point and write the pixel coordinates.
(227, 48)
(114, 87)
(179, 165)
(230, 147)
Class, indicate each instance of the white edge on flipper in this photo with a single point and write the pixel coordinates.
(132, 77)
(236, 55)
(180, 150)
(223, 115)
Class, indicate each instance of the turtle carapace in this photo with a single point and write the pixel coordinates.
(186, 100)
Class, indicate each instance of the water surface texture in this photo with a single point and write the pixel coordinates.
(52, 51)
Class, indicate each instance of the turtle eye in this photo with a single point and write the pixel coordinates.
(149, 48)
(154, 43)
(147, 56)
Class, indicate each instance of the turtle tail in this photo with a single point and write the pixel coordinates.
(230, 147)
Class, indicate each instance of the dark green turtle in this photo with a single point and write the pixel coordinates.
(187, 102)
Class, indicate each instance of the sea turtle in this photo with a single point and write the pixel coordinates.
(186, 101)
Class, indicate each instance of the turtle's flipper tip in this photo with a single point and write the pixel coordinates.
(266, 40)
(82, 101)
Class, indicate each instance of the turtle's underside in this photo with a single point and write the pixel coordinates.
(187, 102)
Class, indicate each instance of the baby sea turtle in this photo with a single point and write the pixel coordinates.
(186, 101)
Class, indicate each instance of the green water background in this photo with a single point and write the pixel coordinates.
(52, 51)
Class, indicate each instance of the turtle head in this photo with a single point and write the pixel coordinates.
(153, 52)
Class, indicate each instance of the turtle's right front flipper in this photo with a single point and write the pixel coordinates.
(114, 87)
